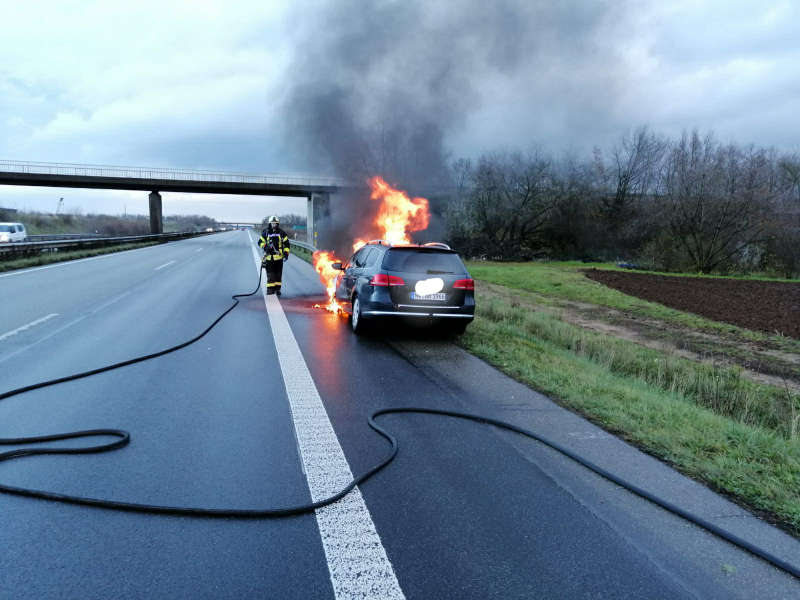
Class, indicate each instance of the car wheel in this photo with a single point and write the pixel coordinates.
(357, 321)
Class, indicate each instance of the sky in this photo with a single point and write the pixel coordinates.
(309, 86)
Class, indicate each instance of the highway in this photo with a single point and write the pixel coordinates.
(269, 410)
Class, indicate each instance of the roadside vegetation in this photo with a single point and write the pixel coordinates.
(46, 258)
(555, 282)
(37, 223)
(689, 204)
(301, 252)
(708, 419)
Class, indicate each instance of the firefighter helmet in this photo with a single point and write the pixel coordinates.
(273, 219)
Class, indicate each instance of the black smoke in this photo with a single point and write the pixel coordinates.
(377, 87)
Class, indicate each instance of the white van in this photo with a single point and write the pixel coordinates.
(12, 232)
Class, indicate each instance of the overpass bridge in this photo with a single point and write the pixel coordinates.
(317, 190)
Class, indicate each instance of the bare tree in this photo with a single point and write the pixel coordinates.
(505, 208)
(790, 174)
(628, 181)
(716, 198)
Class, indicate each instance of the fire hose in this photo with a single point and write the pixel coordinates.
(123, 439)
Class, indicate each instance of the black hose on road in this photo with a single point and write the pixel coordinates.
(123, 439)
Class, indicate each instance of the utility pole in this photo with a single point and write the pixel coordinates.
(60, 204)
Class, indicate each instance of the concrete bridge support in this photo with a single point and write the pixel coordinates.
(156, 222)
(318, 210)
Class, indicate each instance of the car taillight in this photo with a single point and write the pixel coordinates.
(464, 284)
(383, 279)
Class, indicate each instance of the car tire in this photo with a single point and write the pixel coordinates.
(357, 321)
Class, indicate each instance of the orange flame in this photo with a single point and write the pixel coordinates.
(323, 263)
(398, 216)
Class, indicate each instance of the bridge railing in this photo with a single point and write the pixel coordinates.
(78, 170)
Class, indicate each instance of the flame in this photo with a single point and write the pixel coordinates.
(323, 263)
(397, 216)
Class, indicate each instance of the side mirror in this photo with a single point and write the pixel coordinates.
(338, 266)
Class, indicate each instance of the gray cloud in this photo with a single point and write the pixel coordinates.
(394, 87)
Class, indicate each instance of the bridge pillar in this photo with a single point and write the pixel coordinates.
(156, 224)
(318, 210)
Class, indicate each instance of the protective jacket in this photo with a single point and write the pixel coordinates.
(275, 244)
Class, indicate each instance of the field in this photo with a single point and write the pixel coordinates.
(769, 306)
(718, 401)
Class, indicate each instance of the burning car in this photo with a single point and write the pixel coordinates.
(427, 283)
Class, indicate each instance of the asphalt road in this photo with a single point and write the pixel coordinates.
(237, 421)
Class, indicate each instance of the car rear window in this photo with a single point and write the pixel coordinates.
(418, 260)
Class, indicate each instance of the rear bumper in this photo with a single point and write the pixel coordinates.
(397, 313)
(377, 302)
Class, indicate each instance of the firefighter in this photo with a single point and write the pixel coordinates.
(275, 244)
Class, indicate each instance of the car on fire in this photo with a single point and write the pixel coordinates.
(426, 283)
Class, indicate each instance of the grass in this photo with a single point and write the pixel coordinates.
(554, 281)
(46, 258)
(738, 436)
(741, 276)
(301, 253)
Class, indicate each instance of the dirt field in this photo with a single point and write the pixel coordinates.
(760, 305)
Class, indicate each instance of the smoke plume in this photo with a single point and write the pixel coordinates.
(377, 87)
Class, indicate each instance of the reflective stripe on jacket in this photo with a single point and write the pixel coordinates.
(275, 244)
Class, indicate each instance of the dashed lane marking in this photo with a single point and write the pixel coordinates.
(28, 326)
(66, 326)
(357, 561)
(172, 262)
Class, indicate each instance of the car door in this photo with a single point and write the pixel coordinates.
(353, 271)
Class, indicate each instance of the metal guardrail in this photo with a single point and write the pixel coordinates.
(17, 249)
(43, 168)
(61, 236)
(307, 246)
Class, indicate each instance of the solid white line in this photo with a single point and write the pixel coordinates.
(357, 561)
(28, 326)
(164, 265)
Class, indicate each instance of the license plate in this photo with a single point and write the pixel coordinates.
(416, 296)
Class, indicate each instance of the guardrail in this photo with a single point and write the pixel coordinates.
(307, 246)
(61, 236)
(17, 249)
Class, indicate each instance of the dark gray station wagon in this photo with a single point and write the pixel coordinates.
(427, 283)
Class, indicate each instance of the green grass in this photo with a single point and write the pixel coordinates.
(680, 411)
(740, 276)
(46, 258)
(301, 253)
(564, 281)
(723, 389)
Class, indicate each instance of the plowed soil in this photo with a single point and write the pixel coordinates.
(770, 306)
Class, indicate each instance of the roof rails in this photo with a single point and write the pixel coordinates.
(427, 245)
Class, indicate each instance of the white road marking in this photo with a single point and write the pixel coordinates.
(66, 263)
(75, 321)
(28, 326)
(199, 250)
(164, 265)
(357, 561)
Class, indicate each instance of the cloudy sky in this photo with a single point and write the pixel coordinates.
(247, 86)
